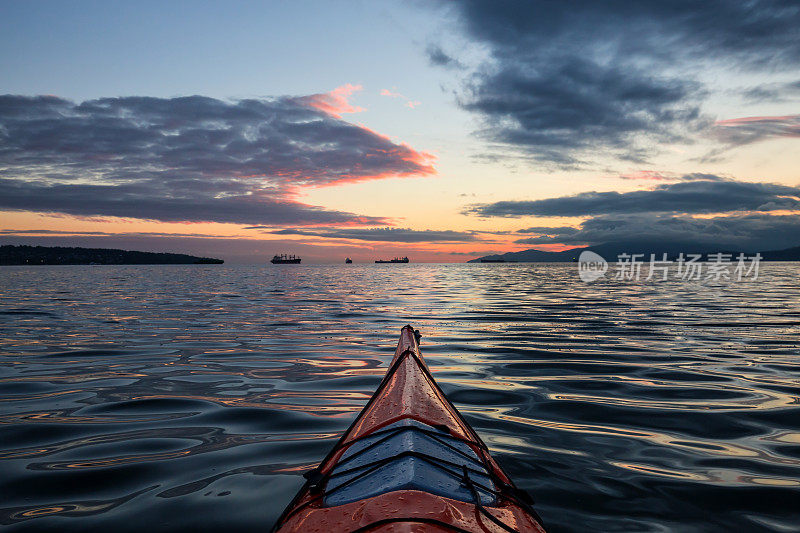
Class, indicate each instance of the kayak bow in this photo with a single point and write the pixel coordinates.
(409, 462)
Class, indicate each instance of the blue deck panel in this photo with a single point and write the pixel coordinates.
(407, 472)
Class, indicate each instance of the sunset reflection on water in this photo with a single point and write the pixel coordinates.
(197, 396)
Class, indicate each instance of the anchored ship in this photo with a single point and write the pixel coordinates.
(284, 259)
(395, 260)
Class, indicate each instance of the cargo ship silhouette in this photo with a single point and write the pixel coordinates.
(284, 259)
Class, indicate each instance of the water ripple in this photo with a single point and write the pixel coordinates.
(193, 398)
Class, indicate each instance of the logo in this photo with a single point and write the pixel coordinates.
(591, 266)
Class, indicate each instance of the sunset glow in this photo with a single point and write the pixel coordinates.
(453, 129)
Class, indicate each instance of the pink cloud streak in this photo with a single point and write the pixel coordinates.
(408, 102)
(335, 102)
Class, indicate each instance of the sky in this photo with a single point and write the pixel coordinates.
(437, 130)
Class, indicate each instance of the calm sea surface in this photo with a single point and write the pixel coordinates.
(194, 397)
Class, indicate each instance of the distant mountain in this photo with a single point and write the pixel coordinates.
(46, 255)
(611, 250)
(789, 254)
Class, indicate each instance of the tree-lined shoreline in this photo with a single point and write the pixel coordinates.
(59, 255)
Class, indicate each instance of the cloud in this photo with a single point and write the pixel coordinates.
(566, 80)
(550, 231)
(746, 30)
(335, 102)
(772, 92)
(654, 175)
(394, 94)
(190, 158)
(704, 196)
(757, 231)
(439, 58)
(48, 232)
(748, 130)
(187, 203)
(651, 175)
(381, 234)
(564, 108)
(475, 253)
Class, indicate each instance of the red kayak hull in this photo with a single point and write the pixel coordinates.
(408, 391)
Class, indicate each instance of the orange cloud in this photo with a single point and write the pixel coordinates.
(411, 163)
(419, 164)
(335, 102)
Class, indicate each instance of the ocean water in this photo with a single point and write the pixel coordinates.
(172, 398)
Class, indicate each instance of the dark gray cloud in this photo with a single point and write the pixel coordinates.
(706, 196)
(772, 92)
(544, 230)
(187, 159)
(440, 58)
(747, 30)
(194, 200)
(381, 234)
(759, 231)
(564, 108)
(568, 79)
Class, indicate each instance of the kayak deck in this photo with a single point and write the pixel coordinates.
(407, 455)
(409, 462)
